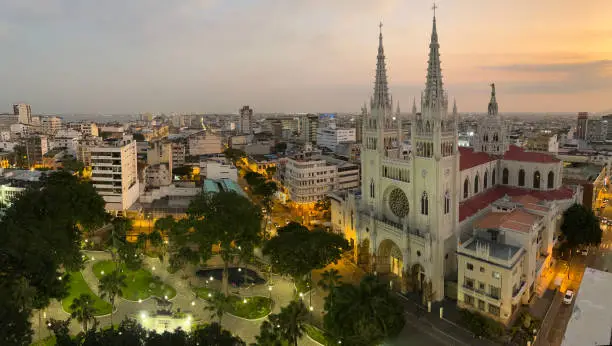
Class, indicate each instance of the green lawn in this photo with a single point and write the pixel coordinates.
(255, 307)
(203, 292)
(48, 341)
(140, 283)
(317, 335)
(79, 286)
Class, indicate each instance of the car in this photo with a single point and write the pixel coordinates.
(584, 252)
(569, 297)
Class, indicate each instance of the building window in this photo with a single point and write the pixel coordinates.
(521, 178)
(424, 204)
(466, 188)
(495, 291)
(482, 270)
(493, 177)
(536, 180)
(496, 275)
(481, 305)
(494, 310)
(481, 286)
(469, 283)
(485, 181)
(551, 180)
(372, 188)
(476, 184)
(470, 266)
(447, 202)
(505, 176)
(468, 300)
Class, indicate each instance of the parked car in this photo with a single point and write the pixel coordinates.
(569, 297)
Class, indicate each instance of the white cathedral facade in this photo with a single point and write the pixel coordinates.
(414, 206)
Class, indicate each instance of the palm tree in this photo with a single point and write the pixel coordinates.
(111, 286)
(218, 305)
(83, 309)
(293, 321)
(269, 333)
(141, 241)
(329, 281)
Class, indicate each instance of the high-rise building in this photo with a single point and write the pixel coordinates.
(330, 137)
(308, 128)
(23, 112)
(36, 148)
(581, 126)
(50, 125)
(114, 173)
(246, 120)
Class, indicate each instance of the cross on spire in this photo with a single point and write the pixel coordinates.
(434, 8)
(380, 27)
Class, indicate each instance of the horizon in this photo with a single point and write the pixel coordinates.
(211, 57)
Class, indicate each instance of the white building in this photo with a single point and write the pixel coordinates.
(23, 112)
(218, 169)
(246, 120)
(330, 137)
(204, 143)
(413, 206)
(114, 173)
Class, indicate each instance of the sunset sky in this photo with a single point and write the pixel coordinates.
(132, 56)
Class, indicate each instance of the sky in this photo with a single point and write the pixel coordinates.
(213, 56)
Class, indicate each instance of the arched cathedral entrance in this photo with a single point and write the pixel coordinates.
(389, 259)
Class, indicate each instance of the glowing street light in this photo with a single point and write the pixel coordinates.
(311, 308)
(139, 301)
(143, 315)
(192, 303)
(244, 301)
(211, 278)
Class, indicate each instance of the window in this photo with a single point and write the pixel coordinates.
(469, 283)
(466, 188)
(485, 182)
(468, 300)
(551, 180)
(424, 204)
(481, 286)
(493, 310)
(521, 178)
(493, 177)
(476, 184)
(470, 266)
(536, 180)
(482, 270)
(372, 188)
(496, 275)
(505, 176)
(447, 203)
(495, 291)
(481, 305)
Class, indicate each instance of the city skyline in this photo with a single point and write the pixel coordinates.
(210, 56)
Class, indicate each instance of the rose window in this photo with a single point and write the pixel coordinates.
(398, 202)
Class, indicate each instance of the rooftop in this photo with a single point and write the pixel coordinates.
(516, 153)
(516, 220)
(469, 158)
(483, 200)
(500, 251)
(592, 315)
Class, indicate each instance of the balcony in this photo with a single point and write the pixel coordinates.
(518, 292)
(481, 294)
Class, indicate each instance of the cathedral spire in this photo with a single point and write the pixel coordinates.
(493, 102)
(434, 92)
(381, 87)
(414, 109)
(397, 111)
(454, 107)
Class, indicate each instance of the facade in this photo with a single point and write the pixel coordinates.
(157, 175)
(114, 173)
(36, 148)
(309, 180)
(178, 154)
(581, 125)
(23, 113)
(217, 169)
(546, 143)
(596, 130)
(246, 120)
(50, 125)
(308, 128)
(417, 207)
(204, 144)
(330, 137)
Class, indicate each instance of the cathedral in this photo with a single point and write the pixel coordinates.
(418, 209)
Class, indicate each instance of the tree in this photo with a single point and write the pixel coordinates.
(182, 171)
(117, 239)
(72, 165)
(42, 232)
(296, 251)
(61, 330)
(234, 154)
(218, 306)
(228, 220)
(363, 315)
(212, 334)
(292, 320)
(185, 244)
(254, 179)
(111, 286)
(329, 281)
(83, 309)
(280, 147)
(269, 333)
(580, 227)
(323, 206)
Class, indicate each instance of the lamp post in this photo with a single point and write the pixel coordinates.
(270, 291)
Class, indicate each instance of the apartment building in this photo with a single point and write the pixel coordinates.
(246, 120)
(503, 263)
(23, 112)
(308, 128)
(114, 173)
(546, 143)
(50, 125)
(83, 149)
(330, 137)
(36, 148)
(85, 128)
(159, 164)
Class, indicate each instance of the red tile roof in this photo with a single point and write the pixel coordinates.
(483, 200)
(468, 158)
(517, 220)
(516, 153)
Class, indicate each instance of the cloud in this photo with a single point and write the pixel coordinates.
(560, 78)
